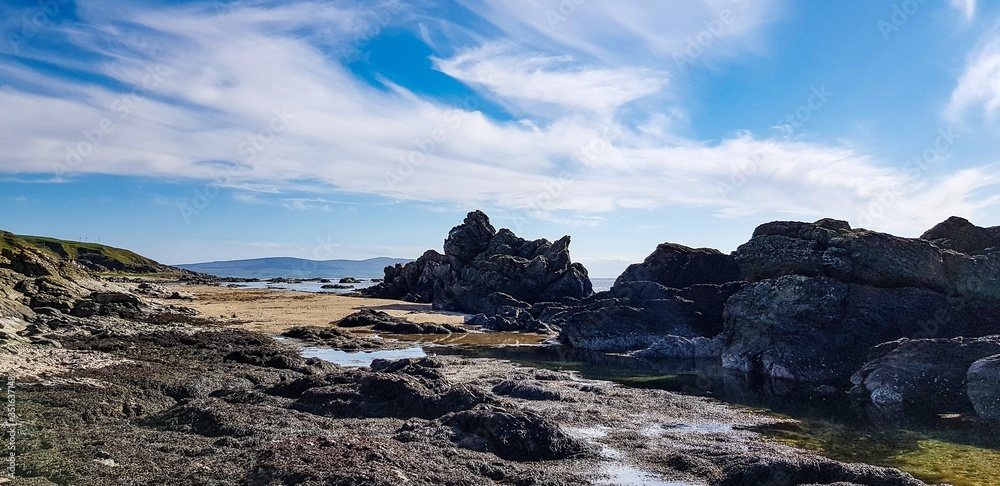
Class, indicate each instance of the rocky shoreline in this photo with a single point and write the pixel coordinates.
(193, 403)
(125, 380)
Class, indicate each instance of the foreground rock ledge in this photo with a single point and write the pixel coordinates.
(182, 404)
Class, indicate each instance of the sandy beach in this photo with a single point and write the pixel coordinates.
(273, 312)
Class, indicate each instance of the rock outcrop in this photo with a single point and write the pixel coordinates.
(960, 235)
(823, 294)
(678, 266)
(487, 271)
(637, 314)
(677, 293)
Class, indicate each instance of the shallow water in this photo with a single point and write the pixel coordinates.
(315, 287)
(361, 358)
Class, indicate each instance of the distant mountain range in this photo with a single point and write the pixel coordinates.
(295, 268)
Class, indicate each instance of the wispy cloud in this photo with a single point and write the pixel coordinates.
(526, 79)
(256, 91)
(978, 88)
(967, 7)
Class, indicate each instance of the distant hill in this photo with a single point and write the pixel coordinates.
(295, 267)
(92, 256)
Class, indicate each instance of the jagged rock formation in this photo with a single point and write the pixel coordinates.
(492, 272)
(958, 234)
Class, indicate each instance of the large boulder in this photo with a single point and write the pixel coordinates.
(917, 378)
(984, 387)
(824, 293)
(818, 329)
(678, 266)
(830, 248)
(482, 267)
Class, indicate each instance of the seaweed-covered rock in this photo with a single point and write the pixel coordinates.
(517, 435)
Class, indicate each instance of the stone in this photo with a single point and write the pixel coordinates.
(919, 378)
(984, 387)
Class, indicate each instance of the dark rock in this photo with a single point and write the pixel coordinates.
(466, 241)
(818, 329)
(349, 280)
(984, 387)
(365, 317)
(401, 389)
(516, 435)
(525, 390)
(486, 271)
(332, 337)
(799, 469)
(960, 235)
(829, 248)
(678, 266)
(381, 321)
(617, 325)
(918, 378)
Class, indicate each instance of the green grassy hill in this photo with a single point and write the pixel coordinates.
(95, 257)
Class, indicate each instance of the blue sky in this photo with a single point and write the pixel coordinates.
(206, 130)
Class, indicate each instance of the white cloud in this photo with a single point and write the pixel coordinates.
(558, 80)
(978, 87)
(285, 117)
(637, 31)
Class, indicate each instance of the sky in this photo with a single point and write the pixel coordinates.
(194, 131)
